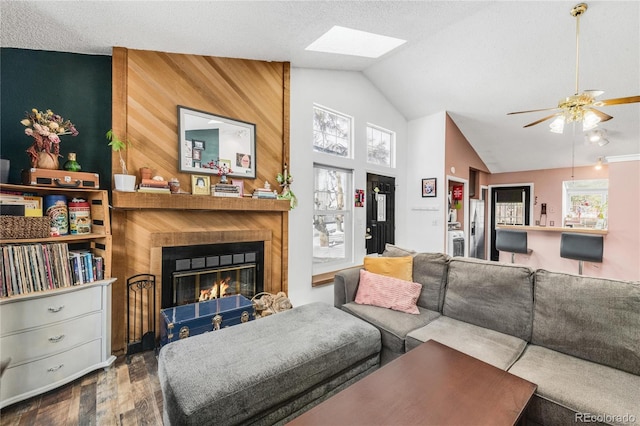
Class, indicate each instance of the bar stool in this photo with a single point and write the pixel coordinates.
(581, 247)
(512, 241)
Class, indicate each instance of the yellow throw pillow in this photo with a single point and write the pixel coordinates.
(396, 267)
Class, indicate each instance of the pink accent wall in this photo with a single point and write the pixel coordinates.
(460, 154)
(621, 244)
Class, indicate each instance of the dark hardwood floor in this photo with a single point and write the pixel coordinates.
(124, 394)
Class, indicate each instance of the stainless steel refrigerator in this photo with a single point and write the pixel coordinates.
(476, 227)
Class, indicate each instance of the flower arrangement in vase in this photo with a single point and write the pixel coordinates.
(46, 128)
(223, 170)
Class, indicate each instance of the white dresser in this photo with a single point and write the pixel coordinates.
(54, 337)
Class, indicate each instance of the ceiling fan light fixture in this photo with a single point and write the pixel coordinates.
(599, 164)
(557, 125)
(589, 121)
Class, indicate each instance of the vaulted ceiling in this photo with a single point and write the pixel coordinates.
(477, 60)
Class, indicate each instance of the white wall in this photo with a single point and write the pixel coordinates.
(353, 94)
(425, 218)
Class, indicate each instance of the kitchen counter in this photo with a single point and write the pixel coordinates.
(555, 229)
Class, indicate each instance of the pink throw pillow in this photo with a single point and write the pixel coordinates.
(388, 292)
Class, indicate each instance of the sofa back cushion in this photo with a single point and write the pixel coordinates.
(396, 267)
(596, 319)
(498, 296)
(430, 270)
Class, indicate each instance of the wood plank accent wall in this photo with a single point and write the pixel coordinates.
(147, 88)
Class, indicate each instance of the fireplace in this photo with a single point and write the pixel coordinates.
(190, 273)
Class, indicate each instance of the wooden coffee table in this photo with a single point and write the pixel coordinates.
(432, 384)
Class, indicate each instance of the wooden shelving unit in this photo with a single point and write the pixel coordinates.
(99, 239)
(58, 335)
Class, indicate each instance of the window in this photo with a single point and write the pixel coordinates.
(331, 132)
(585, 203)
(380, 146)
(332, 217)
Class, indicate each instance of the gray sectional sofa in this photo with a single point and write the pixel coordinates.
(576, 337)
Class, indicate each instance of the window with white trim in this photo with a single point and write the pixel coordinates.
(332, 132)
(332, 218)
(380, 146)
(585, 203)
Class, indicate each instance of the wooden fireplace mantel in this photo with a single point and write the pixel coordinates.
(136, 200)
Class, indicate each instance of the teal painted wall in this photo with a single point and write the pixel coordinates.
(77, 87)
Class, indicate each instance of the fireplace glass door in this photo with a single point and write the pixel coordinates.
(193, 286)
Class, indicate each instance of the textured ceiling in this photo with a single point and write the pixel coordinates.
(477, 60)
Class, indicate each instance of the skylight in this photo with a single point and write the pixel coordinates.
(346, 41)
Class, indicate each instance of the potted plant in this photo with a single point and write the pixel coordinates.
(123, 181)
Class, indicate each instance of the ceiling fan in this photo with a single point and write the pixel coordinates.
(580, 106)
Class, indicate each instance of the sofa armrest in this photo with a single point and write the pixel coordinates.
(345, 285)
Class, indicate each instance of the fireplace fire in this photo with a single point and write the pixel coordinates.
(205, 272)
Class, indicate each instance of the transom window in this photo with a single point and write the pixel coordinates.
(380, 146)
(331, 132)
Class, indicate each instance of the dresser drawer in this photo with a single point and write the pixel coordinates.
(49, 372)
(58, 337)
(19, 315)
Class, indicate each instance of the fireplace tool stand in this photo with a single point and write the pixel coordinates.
(141, 313)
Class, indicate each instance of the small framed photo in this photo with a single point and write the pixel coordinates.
(240, 184)
(429, 187)
(200, 185)
(198, 145)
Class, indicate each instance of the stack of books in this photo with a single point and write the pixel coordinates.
(18, 204)
(225, 190)
(154, 186)
(264, 193)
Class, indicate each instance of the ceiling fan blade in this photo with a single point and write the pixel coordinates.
(618, 101)
(531, 110)
(602, 115)
(543, 119)
(594, 93)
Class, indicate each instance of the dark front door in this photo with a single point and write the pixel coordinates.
(510, 205)
(380, 212)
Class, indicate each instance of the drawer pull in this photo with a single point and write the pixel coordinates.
(58, 309)
(54, 369)
(56, 339)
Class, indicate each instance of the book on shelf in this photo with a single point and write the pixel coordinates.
(227, 194)
(151, 183)
(152, 190)
(29, 268)
(265, 195)
(14, 204)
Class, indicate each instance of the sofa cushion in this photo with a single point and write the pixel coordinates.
(391, 250)
(393, 325)
(493, 295)
(388, 292)
(595, 319)
(430, 270)
(582, 386)
(498, 349)
(395, 267)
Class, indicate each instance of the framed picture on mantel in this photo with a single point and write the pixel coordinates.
(200, 185)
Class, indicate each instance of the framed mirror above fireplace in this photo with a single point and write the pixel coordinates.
(215, 144)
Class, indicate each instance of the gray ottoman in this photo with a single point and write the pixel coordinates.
(265, 371)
